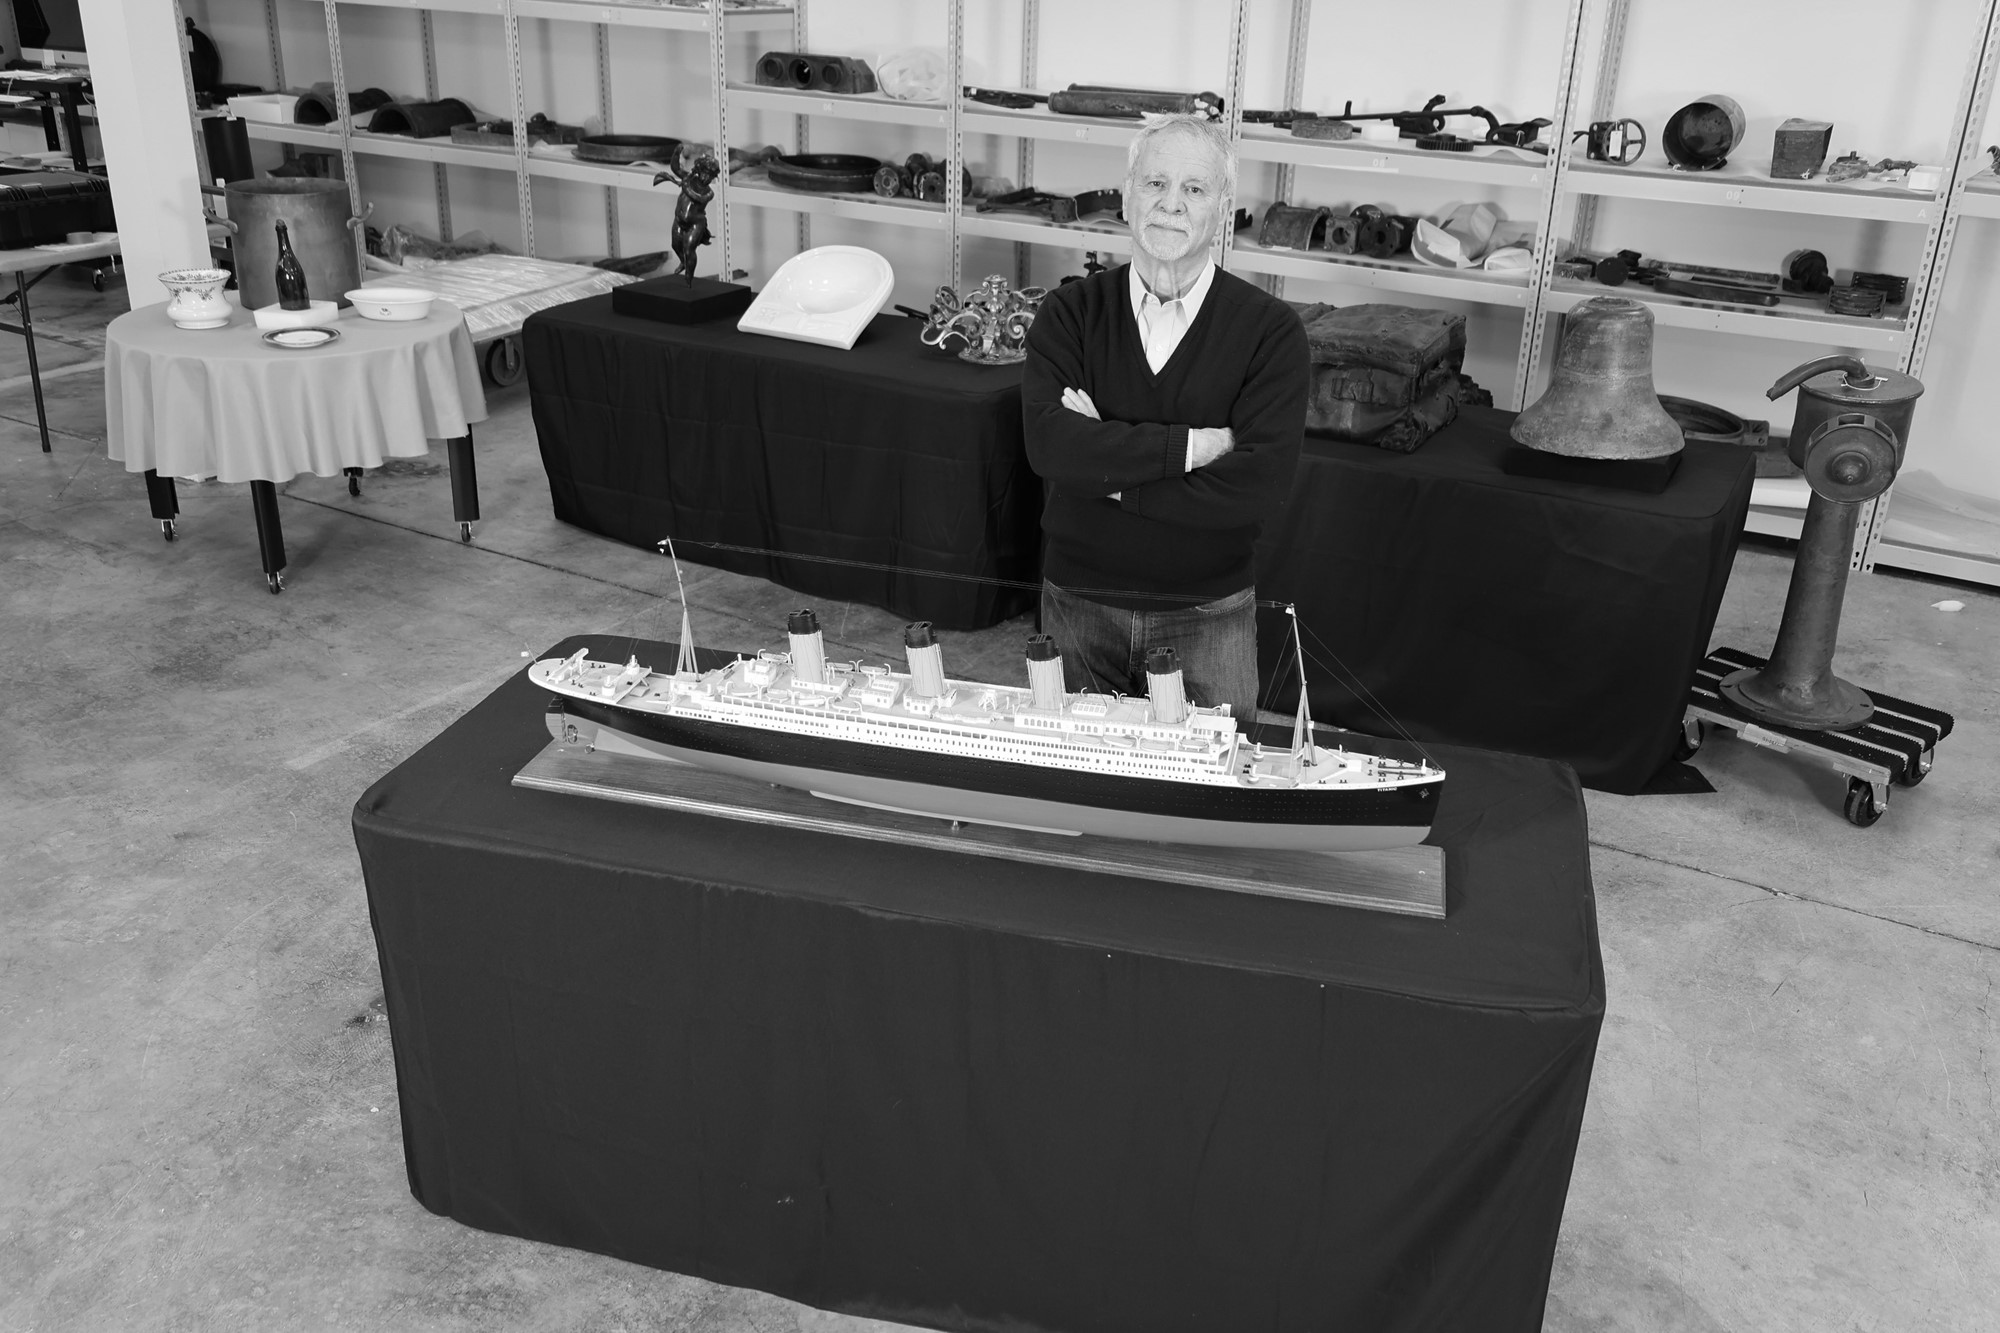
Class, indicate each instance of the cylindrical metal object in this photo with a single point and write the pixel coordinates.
(227, 140)
(1045, 673)
(1164, 686)
(1701, 135)
(808, 647)
(318, 216)
(1797, 687)
(1600, 401)
(926, 659)
(421, 120)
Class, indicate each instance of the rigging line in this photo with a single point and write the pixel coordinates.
(990, 580)
(1368, 696)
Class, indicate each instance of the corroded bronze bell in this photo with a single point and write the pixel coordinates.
(1600, 401)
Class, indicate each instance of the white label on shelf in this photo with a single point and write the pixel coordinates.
(826, 107)
(1380, 163)
(1732, 195)
(1083, 132)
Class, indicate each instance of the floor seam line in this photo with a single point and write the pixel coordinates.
(1799, 897)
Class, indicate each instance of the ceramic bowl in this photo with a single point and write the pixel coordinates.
(197, 301)
(391, 303)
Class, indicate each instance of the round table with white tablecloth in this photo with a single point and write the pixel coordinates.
(226, 403)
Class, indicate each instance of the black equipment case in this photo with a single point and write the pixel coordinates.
(41, 207)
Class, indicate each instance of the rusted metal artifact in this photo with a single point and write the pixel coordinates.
(1600, 401)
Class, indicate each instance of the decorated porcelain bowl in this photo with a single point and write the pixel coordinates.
(392, 303)
(197, 301)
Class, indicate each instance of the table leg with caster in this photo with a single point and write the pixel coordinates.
(353, 480)
(164, 500)
(270, 533)
(464, 484)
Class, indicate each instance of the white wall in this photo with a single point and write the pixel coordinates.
(1886, 75)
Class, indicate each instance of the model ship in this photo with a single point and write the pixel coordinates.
(1157, 768)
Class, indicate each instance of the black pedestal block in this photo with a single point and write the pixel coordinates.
(677, 301)
(1648, 476)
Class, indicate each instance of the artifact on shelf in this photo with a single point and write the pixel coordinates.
(197, 301)
(1460, 239)
(1849, 435)
(1806, 273)
(1294, 227)
(1091, 99)
(320, 220)
(1443, 142)
(824, 173)
(814, 73)
(1521, 134)
(1701, 135)
(319, 104)
(1039, 203)
(1862, 302)
(992, 320)
(1619, 142)
(1012, 100)
(1386, 375)
(913, 74)
(1709, 424)
(1893, 286)
(682, 297)
(920, 177)
(421, 120)
(826, 295)
(627, 149)
(500, 133)
(1159, 768)
(1107, 203)
(1600, 403)
(1329, 128)
(1799, 148)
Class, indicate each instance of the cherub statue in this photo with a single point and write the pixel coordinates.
(697, 186)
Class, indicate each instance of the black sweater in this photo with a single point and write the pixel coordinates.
(1242, 364)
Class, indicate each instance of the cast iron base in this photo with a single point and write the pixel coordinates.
(1840, 706)
(673, 300)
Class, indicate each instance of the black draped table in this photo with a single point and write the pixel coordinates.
(1512, 613)
(971, 1094)
(891, 454)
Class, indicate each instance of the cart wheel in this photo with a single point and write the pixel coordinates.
(1693, 732)
(167, 529)
(1918, 771)
(1861, 808)
(277, 584)
(465, 532)
(97, 281)
(354, 481)
(503, 362)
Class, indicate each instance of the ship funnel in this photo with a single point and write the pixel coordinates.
(1163, 686)
(808, 647)
(926, 660)
(1045, 673)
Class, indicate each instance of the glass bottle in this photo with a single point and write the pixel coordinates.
(291, 275)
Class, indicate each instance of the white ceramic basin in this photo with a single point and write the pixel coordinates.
(391, 303)
(826, 295)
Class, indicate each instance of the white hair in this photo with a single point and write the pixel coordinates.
(1207, 131)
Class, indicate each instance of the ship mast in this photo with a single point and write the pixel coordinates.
(684, 664)
(1302, 747)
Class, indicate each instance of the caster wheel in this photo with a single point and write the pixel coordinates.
(277, 582)
(97, 282)
(1861, 809)
(503, 362)
(1693, 732)
(1918, 771)
(354, 483)
(166, 529)
(465, 532)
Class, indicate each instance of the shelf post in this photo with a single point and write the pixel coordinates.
(954, 176)
(603, 35)
(1239, 16)
(718, 63)
(440, 186)
(1031, 30)
(1975, 98)
(1527, 361)
(1295, 89)
(343, 115)
(523, 186)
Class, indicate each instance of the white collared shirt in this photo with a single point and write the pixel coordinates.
(1164, 323)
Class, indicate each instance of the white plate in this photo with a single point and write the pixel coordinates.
(299, 340)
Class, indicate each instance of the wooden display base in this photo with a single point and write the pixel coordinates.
(1894, 747)
(1649, 476)
(1405, 880)
(673, 300)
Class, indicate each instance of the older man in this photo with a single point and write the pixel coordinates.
(1164, 405)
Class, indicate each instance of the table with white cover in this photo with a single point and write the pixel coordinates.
(225, 403)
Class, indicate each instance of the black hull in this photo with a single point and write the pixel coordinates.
(1406, 807)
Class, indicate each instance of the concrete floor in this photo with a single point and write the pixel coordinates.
(1792, 1125)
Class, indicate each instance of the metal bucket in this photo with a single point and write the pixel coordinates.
(321, 222)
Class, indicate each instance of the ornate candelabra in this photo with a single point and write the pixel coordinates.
(993, 320)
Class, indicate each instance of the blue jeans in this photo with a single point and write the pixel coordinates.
(1104, 647)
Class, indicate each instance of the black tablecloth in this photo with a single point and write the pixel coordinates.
(891, 454)
(1537, 617)
(965, 1093)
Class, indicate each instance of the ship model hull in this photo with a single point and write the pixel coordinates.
(1019, 795)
